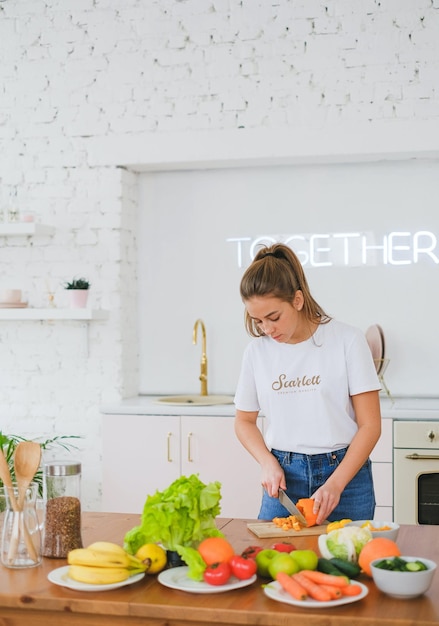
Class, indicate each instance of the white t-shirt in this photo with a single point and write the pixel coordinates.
(304, 389)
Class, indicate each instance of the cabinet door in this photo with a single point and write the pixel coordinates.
(382, 472)
(141, 454)
(210, 448)
(383, 483)
(383, 451)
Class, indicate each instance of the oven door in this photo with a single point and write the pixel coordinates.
(416, 486)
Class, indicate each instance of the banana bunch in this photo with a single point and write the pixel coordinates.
(103, 563)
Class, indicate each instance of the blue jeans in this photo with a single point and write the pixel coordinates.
(305, 473)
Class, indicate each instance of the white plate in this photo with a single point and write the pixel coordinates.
(274, 591)
(177, 578)
(383, 342)
(61, 577)
(375, 339)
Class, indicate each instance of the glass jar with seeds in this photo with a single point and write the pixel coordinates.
(62, 497)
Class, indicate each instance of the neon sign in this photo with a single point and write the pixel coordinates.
(353, 249)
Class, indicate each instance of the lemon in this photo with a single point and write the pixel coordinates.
(153, 556)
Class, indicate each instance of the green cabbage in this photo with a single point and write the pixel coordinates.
(360, 537)
(346, 543)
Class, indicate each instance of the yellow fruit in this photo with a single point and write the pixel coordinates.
(98, 575)
(153, 557)
(107, 546)
(98, 558)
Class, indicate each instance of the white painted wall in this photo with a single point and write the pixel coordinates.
(92, 85)
(189, 270)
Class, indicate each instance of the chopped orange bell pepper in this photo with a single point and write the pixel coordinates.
(336, 525)
(305, 506)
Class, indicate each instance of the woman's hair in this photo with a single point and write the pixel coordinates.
(277, 272)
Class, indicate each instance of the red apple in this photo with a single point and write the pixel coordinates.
(251, 551)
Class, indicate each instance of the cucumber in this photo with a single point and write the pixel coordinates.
(415, 566)
(325, 566)
(349, 569)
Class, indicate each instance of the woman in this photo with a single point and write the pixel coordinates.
(314, 380)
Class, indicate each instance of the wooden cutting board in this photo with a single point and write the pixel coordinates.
(268, 529)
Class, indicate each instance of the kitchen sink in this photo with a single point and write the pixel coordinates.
(195, 400)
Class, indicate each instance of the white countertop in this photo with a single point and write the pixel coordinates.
(406, 408)
(148, 405)
(410, 408)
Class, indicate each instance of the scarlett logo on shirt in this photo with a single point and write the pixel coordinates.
(305, 381)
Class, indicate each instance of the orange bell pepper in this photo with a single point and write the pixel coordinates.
(305, 506)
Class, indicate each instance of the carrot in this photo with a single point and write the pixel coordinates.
(313, 589)
(291, 586)
(336, 592)
(325, 579)
(351, 590)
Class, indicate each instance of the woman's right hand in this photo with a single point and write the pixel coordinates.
(273, 477)
(248, 433)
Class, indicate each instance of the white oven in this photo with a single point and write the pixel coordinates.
(416, 472)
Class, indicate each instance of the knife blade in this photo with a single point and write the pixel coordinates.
(291, 507)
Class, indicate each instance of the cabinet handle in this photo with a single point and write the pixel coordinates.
(168, 445)
(189, 455)
(422, 457)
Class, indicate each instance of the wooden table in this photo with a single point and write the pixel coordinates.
(27, 598)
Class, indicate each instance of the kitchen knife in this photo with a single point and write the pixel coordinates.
(291, 508)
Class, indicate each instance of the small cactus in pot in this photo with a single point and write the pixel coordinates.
(77, 283)
(78, 292)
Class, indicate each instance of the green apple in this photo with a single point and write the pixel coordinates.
(263, 560)
(283, 562)
(305, 559)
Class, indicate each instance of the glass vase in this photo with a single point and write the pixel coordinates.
(21, 537)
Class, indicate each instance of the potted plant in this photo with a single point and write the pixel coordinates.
(78, 292)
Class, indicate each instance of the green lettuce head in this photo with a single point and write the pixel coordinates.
(360, 537)
(181, 515)
(344, 543)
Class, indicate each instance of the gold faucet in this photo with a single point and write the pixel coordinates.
(203, 373)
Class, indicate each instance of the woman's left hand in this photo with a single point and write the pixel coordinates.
(326, 499)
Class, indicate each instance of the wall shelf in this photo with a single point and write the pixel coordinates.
(27, 229)
(53, 314)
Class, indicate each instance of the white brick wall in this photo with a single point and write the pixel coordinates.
(80, 77)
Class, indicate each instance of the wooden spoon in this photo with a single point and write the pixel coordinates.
(27, 458)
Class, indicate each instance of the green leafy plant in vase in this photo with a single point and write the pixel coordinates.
(9, 443)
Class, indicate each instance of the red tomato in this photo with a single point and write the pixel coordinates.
(217, 574)
(283, 546)
(251, 551)
(242, 567)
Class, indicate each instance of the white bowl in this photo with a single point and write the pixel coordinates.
(388, 534)
(404, 584)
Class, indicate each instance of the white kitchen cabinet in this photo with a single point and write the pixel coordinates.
(146, 453)
(382, 459)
